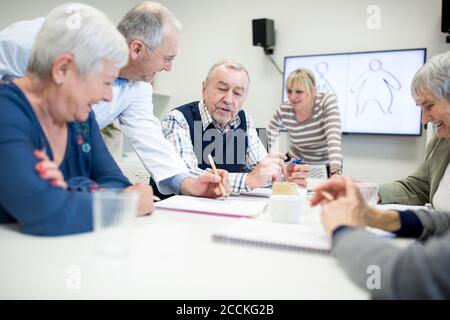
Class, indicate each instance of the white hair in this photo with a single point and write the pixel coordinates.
(227, 63)
(146, 22)
(434, 76)
(82, 31)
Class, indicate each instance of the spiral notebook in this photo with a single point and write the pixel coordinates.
(277, 235)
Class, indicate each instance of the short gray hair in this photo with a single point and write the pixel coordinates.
(228, 63)
(146, 22)
(434, 76)
(82, 31)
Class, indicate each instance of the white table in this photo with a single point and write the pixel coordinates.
(173, 257)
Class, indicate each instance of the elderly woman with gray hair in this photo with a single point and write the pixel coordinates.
(431, 181)
(420, 271)
(51, 152)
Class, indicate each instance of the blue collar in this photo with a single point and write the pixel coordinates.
(120, 82)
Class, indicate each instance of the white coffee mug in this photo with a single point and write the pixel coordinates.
(287, 208)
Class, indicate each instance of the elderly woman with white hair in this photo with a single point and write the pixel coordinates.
(51, 152)
(431, 181)
(419, 271)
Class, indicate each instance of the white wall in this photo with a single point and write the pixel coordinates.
(11, 11)
(215, 29)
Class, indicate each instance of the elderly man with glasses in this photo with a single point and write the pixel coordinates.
(151, 31)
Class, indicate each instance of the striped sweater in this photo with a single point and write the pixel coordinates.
(317, 140)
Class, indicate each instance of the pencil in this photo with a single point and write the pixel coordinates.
(327, 195)
(213, 165)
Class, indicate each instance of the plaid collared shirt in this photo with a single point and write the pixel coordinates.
(176, 130)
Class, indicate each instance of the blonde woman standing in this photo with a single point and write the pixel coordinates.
(312, 121)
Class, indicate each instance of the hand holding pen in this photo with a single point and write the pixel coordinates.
(216, 173)
(297, 172)
(296, 161)
(333, 188)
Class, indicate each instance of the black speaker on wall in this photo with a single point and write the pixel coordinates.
(263, 33)
(445, 26)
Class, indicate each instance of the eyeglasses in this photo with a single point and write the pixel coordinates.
(168, 60)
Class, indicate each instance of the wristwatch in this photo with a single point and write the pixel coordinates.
(339, 171)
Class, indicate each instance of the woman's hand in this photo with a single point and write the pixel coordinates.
(335, 186)
(49, 170)
(347, 207)
(297, 173)
(146, 205)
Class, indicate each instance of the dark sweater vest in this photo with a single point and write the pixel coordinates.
(228, 150)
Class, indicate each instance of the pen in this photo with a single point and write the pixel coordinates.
(327, 195)
(292, 161)
(213, 165)
(297, 161)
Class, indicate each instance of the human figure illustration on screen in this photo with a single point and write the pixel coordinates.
(375, 86)
(322, 83)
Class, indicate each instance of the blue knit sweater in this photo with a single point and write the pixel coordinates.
(39, 207)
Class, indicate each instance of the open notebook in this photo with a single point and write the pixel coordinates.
(258, 192)
(226, 207)
(278, 235)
